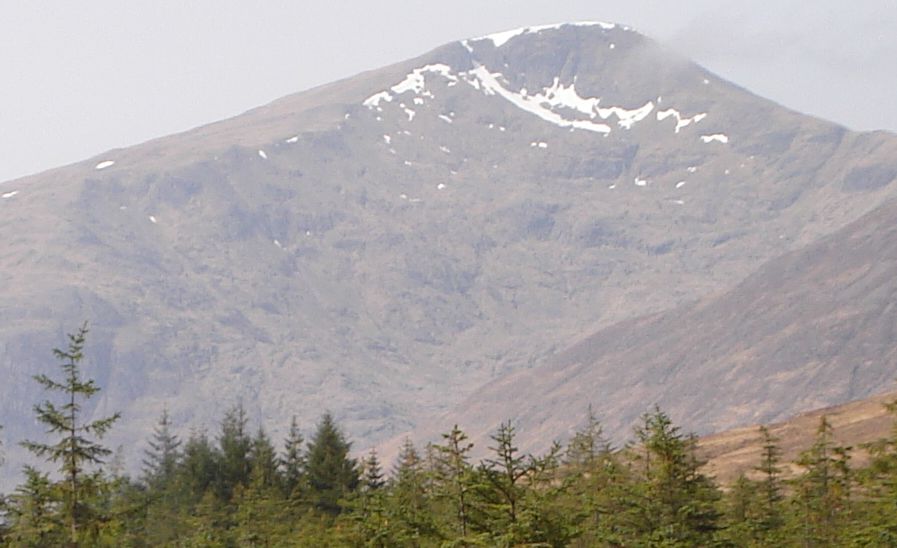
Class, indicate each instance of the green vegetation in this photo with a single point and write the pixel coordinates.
(236, 489)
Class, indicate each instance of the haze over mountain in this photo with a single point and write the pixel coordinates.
(384, 245)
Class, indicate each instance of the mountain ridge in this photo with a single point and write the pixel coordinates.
(318, 252)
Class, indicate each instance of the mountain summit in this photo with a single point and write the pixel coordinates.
(384, 245)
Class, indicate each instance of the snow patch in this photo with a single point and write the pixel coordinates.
(718, 137)
(153, 219)
(501, 38)
(387, 138)
(445, 118)
(410, 114)
(262, 154)
(440, 186)
(277, 243)
(539, 144)
(531, 104)
(681, 122)
(415, 81)
(680, 184)
(104, 164)
(641, 182)
(295, 139)
(9, 194)
(692, 169)
(445, 149)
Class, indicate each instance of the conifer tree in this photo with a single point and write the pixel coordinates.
(587, 446)
(879, 483)
(372, 473)
(293, 460)
(32, 512)
(503, 474)
(198, 468)
(822, 493)
(673, 502)
(409, 495)
(263, 460)
(455, 478)
(161, 459)
(75, 449)
(234, 445)
(331, 473)
(770, 517)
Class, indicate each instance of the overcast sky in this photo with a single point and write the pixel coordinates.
(79, 78)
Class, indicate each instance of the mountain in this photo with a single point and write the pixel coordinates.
(809, 329)
(384, 245)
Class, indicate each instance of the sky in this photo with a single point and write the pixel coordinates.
(80, 78)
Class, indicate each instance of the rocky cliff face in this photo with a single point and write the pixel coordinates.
(384, 245)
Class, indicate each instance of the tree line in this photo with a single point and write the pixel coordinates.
(236, 487)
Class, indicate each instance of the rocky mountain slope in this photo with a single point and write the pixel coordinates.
(384, 245)
(809, 329)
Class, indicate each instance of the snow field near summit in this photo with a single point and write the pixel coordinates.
(501, 38)
(559, 104)
(104, 164)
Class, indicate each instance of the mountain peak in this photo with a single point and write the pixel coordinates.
(501, 38)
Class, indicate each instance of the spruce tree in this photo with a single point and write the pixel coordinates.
(503, 474)
(409, 490)
(74, 449)
(588, 445)
(198, 468)
(673, 502)
(331, 473)
(372, 473)
(770, 517)
(234, 445)
(455, 479)
(32, 513)
(879, 484)
(161, 459)
(293, 461)
(263, 461)
(822, 493)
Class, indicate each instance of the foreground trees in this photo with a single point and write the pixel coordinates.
(234, 488)
(76, 447)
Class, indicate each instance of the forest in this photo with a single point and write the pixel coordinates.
(237, 487)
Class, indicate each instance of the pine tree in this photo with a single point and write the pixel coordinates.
(293, 461)
(331, 473)
(74, 449)
(161, 459)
